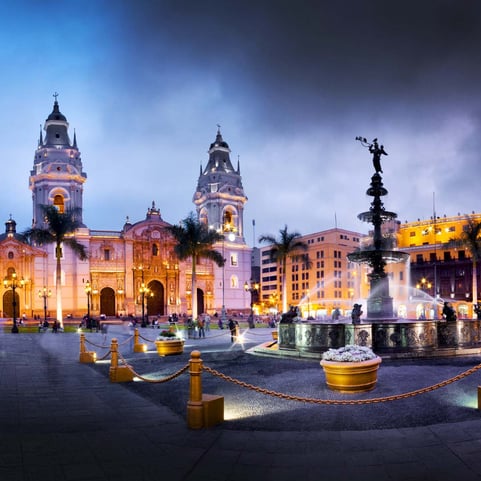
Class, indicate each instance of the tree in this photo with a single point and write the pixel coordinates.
(283, 248)
(470, 239)
(194, 240)
(59, 229)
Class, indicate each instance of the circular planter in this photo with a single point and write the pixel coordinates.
(349, 377)
(169, 346)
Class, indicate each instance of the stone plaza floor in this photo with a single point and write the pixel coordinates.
(62, 420)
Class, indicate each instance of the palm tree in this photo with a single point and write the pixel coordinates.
(59, 229)
(283, 248)
(195, 240)
(470, 239)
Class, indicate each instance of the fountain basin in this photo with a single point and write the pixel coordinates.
(388, 338)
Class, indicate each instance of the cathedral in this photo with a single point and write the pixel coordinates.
(133, 271)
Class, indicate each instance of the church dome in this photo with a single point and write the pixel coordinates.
(56, 114)
(219, 142)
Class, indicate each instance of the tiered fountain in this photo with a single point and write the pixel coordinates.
(379, 303)
(381, 329)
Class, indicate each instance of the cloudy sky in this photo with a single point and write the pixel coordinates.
(292, 83)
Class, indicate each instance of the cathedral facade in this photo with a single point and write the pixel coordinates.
(133, 271)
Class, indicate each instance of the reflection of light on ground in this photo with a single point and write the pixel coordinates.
(238, 411)
(467, 400)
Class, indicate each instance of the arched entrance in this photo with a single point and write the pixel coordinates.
(200, 301)
(156, 303)
(8, 304)
(107, 301)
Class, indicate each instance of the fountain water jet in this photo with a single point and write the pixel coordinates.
(385, 333)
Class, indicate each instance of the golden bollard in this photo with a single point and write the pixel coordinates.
(118, 373)
(195, 408)
(86, 356)
(138, 347)
(82, 343)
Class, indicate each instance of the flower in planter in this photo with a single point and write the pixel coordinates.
(349, 353)
(166, 335)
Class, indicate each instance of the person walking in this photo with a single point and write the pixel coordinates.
(200, 325)
(232, 328)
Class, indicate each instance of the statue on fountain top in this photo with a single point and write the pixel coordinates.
(376, 152)
(376, 155)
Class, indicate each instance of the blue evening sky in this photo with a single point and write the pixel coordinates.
(292, 83)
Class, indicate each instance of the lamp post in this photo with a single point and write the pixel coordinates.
(252, 288)
(88, 291)
(425, 286)
(13, 283)
(144, 291)
(45, 294)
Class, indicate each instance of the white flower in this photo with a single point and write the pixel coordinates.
(349, 353)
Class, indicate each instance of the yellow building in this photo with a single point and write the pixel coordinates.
(327, 281)
(438, 269)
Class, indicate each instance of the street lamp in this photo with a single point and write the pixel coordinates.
(252, 288)
(423, 284)
(88, 291)
(144, 291)
(44, 293)
(13, 283)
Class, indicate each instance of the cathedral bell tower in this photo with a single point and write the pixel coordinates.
(220, 200)
(57, 177)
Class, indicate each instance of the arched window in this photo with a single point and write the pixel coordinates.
(234, 282)
(59, 203)
(155, 250)
(228, 222)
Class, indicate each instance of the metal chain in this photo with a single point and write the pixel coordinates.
(145, 339)
(250, 333)
(343, 401)
(153, 381)
(96, 345)
(104, 357)
(126, 340)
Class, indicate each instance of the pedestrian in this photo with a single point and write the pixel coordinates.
(207, 322)
(200, 324)
(233, 329)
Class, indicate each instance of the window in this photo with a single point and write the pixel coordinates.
(233, 259)
(155, 250)
(234, 282)
(58, 203)
(107, 254)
